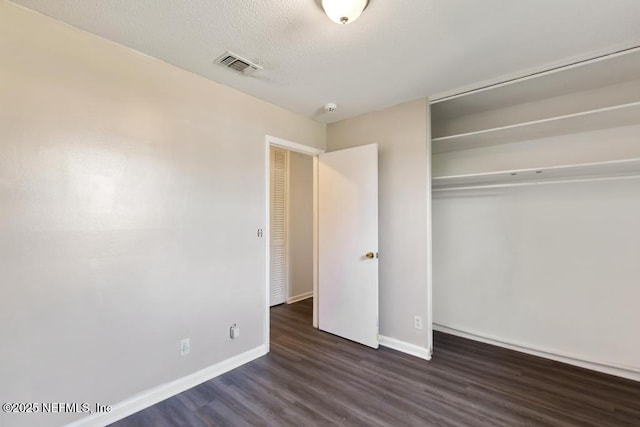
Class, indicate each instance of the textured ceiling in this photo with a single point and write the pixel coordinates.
(397, 51)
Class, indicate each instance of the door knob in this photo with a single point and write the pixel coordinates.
(370, 255)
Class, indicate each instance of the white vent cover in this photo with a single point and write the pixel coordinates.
(237, 63)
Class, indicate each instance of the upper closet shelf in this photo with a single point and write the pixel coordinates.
(607, 70)
(614, 168)
(602, 118)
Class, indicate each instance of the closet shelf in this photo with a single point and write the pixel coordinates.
(613, 69)
(608, 169)
(602, 118)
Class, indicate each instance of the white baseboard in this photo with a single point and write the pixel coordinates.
(547, 354)
(150, 397)
(405, 347)
(299, 297)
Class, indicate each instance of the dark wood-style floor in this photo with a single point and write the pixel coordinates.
(314, 378)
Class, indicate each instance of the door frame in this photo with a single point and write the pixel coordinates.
(313, 152)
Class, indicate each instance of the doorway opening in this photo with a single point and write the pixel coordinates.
(291, 225)
(345, 200)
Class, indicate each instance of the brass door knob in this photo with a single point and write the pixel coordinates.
(370, 255)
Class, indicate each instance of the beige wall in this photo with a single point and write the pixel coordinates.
(401, 133)
(130, 195)
(300, 224)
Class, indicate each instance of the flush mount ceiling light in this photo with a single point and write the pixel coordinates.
(344, 11)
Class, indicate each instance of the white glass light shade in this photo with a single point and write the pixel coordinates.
(344, 11)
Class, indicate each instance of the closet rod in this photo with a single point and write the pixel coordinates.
(527, 183)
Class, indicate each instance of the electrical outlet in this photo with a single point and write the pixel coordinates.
(234, 331)
(185, 347)
(417, 322)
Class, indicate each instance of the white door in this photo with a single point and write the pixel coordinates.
(348, 243)
(278, 239)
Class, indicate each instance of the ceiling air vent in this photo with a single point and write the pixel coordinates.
(237, 63)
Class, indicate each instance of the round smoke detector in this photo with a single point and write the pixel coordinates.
(330, 107)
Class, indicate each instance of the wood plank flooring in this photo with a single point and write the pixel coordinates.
(313, 378)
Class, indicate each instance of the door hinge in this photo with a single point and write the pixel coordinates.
(259, 232)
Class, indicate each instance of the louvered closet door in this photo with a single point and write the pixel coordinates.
(279, 197)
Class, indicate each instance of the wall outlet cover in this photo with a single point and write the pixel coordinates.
(234, 331)
(185, 346)
(417, 322)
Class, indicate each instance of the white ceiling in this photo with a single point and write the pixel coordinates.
(399, 50)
